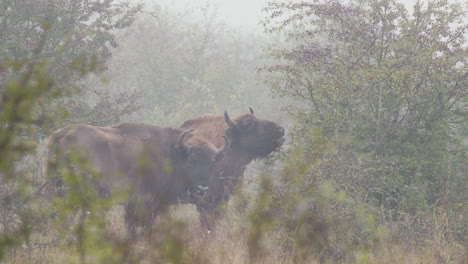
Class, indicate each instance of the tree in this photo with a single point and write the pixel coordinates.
(71, 38)
(76, 31)
(46, 49)
(386, 88)
(186, 65)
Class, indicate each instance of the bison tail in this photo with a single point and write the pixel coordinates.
(53, 178)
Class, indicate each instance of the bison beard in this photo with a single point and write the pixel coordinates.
(158, 166)
(251, 138)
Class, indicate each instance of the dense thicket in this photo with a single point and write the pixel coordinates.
(46, 49)
(380, 108)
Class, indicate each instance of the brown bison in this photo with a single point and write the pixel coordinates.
(250, 137)
(157, 166)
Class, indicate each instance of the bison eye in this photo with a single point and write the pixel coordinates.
(250, 125)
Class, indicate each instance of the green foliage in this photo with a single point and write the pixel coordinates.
(386, 88)
(321, 218)
(46, 49)
(261, 219)
(170, 242)
(76, 30)
(18, 100)
(69, 39)
(81, 213)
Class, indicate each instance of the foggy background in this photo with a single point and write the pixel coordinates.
(171, 52)
(373, 169)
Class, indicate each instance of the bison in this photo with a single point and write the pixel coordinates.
(251, 138)
(157, 166)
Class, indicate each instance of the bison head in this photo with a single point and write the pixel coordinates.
(198, 158)
(257, 137)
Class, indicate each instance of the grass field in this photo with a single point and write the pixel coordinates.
(178, 238)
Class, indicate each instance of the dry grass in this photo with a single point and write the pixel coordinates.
(226, 244)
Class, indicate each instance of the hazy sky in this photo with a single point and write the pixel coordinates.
(241, 14)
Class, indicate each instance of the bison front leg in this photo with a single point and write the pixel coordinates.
(140, 213)
(208, 215)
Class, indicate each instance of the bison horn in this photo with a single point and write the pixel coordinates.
(251, 110)
(224, 148)
(228, 120)
(182, 135)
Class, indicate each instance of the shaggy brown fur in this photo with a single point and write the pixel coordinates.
(156, 165)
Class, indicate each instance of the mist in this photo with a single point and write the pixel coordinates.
(171, 50)
(220, 131)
